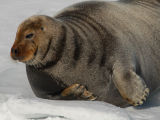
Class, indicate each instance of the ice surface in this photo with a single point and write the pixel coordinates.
(17, 102)
(14, 106)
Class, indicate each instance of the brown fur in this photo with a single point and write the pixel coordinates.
(109, 47)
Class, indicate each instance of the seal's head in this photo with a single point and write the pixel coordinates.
(32, 38)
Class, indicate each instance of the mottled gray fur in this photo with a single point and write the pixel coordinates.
(112, 48)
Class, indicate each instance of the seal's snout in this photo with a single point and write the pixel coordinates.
(15, 53)
(23, 51)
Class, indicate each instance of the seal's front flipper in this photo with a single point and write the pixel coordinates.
(130, 85)
(78, 91)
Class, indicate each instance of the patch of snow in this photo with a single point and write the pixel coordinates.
(12, 107)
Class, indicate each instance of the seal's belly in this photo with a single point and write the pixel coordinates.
(43, 84)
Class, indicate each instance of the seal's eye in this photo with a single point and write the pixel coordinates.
(29, 35)
(42, 28)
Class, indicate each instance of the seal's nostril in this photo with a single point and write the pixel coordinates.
(15, 51)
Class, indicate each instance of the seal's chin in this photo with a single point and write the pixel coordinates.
(26, 59)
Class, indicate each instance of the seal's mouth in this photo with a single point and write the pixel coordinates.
(23, 53)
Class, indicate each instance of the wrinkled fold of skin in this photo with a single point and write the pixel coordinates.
(109, 47)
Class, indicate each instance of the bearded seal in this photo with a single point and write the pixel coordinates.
(106, 51)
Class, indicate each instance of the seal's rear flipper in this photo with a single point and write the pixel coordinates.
(130, 85)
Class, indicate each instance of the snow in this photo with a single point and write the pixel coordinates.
(17, 101)
(73, 110)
